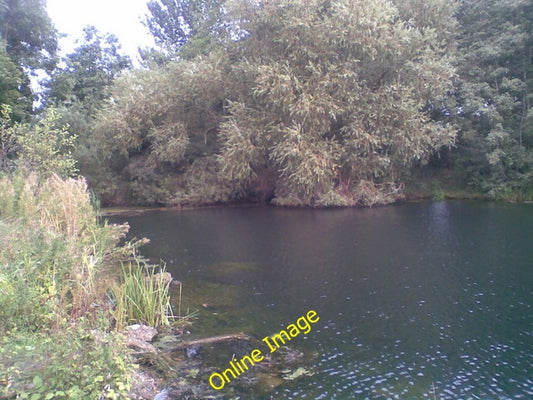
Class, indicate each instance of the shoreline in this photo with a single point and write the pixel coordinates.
(125, 211)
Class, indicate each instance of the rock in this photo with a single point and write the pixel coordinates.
(192, 351)
(140, 346)
(141, 332)
(163, 395)
(139, 337)
(144, 386)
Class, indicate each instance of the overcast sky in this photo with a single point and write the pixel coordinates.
(120, 17)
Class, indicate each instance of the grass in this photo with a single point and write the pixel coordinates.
(142, 296)
(512, 195)
(58, 265)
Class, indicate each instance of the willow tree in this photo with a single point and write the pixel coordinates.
(311, 103)
(337, 98)
(155, 141)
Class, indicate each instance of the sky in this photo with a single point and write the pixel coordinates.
(120, 17)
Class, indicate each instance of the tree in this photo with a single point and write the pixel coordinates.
(188, 27)
(155, 142)
(7, 140)
(494, 94)
(337, 103)
(88, 72)
(44, 146)
(318, 103)
(29, 35)
(78, 90)
(11, 79)
(28, 42)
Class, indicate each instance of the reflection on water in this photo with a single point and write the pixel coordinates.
(417, 301)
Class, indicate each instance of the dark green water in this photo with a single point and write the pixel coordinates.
(425, 300)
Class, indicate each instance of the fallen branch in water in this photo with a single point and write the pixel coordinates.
(216, 339)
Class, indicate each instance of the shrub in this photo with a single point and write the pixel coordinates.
(70, 364)
(56, 272)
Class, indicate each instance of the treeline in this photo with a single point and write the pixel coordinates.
(293, 102)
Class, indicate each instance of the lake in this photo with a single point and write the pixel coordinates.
(429, 300)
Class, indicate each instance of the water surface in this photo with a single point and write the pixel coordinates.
(427, 300)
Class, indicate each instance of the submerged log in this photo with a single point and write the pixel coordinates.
(216, 339)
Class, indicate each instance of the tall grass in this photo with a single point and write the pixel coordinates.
(53, 242)
(58, 264)
(142, 295)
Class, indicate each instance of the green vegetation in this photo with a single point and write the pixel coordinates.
(291, 111)
(44, 146)
(186, 29)
(292, 102)
(28, 42)
(58, 282)
(58, 289)
(66, 364)
(142, 295)
(310, 103)
(494, 91)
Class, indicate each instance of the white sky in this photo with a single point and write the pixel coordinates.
(120, 17)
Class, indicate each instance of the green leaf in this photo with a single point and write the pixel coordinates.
(37, 382)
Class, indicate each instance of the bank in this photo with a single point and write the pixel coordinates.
(67, 282)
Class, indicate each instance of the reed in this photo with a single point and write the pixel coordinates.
(142, 296)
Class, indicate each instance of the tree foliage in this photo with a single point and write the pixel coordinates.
(44, 146)
(337, 98)
(88, 72)
(7, 139)
(29, 35)
(188, 27)
(320, 103)
(494, 93)
(158, 128)
(11, 79)
(28, 42)
(78, 89)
